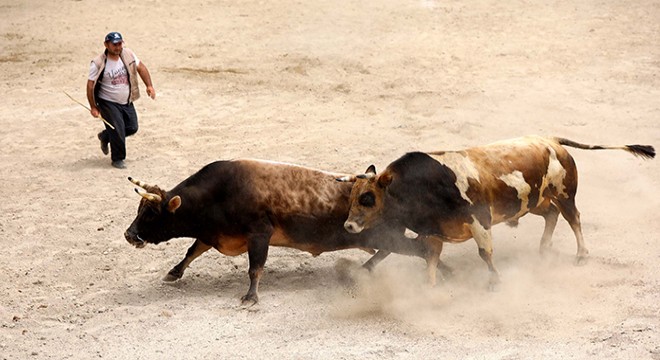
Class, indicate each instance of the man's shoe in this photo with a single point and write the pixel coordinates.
(104, 144)
(119, 164)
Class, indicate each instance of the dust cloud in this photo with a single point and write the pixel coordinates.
(537, 293)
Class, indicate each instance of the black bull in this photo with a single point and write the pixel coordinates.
(247, 205)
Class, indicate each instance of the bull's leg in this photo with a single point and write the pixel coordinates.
(445, 269)
(434, 250)
(432, 258)
(572, 215)
(374, 260)
(435, 243)
(257, 254)
(484, 239)
(194, 251)
(550, 213)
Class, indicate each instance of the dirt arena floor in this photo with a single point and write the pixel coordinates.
(335, 85)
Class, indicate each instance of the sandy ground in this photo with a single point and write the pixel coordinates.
(336, 86)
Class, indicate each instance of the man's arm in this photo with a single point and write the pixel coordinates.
(90, 98)
(146, 77)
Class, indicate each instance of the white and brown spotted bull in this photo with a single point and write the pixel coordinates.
(246, 205)
(453, 196)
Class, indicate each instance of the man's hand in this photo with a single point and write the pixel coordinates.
(95, 112)
(146, 77)
(151, 92)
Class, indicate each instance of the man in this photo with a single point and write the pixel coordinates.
(112, 87)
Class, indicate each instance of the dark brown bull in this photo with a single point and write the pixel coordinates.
(246, 205)
(457, 195)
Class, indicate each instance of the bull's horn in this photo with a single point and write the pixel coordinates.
(347, 178)
(139, 183)
(147, 195)
(366, 176)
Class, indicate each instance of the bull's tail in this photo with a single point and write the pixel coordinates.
(643, 151)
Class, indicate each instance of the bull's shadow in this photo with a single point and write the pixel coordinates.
(227, 282)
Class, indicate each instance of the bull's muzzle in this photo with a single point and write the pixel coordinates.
(352, 227)
(134, 239)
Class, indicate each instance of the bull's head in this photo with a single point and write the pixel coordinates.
(366, 200)
(155, 212)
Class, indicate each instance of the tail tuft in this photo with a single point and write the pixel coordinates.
(643, 151)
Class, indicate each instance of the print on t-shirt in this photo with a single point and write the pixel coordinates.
(118, 76)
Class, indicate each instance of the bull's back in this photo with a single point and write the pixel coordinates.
(517, 175)
(293, 190)
(511, 177)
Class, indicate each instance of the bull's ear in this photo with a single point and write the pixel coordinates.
(174, 204)
(385, 179)
(371, 170)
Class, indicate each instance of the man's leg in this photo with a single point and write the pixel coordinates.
(103, 138)
(131, 119)
(113, 113)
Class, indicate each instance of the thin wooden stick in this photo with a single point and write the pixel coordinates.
(88, 109)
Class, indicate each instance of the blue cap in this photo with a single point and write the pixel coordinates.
(114, 36)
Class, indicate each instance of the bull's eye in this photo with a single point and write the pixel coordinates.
(367, 199)
(147, 214)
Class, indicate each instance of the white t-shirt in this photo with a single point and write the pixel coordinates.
(114, 85)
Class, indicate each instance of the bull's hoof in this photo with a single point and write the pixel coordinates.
(494, 284)
(581, 260)
(249, 300)
(549, 252)
(171, 277)
(347, 271)
(446, 271)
